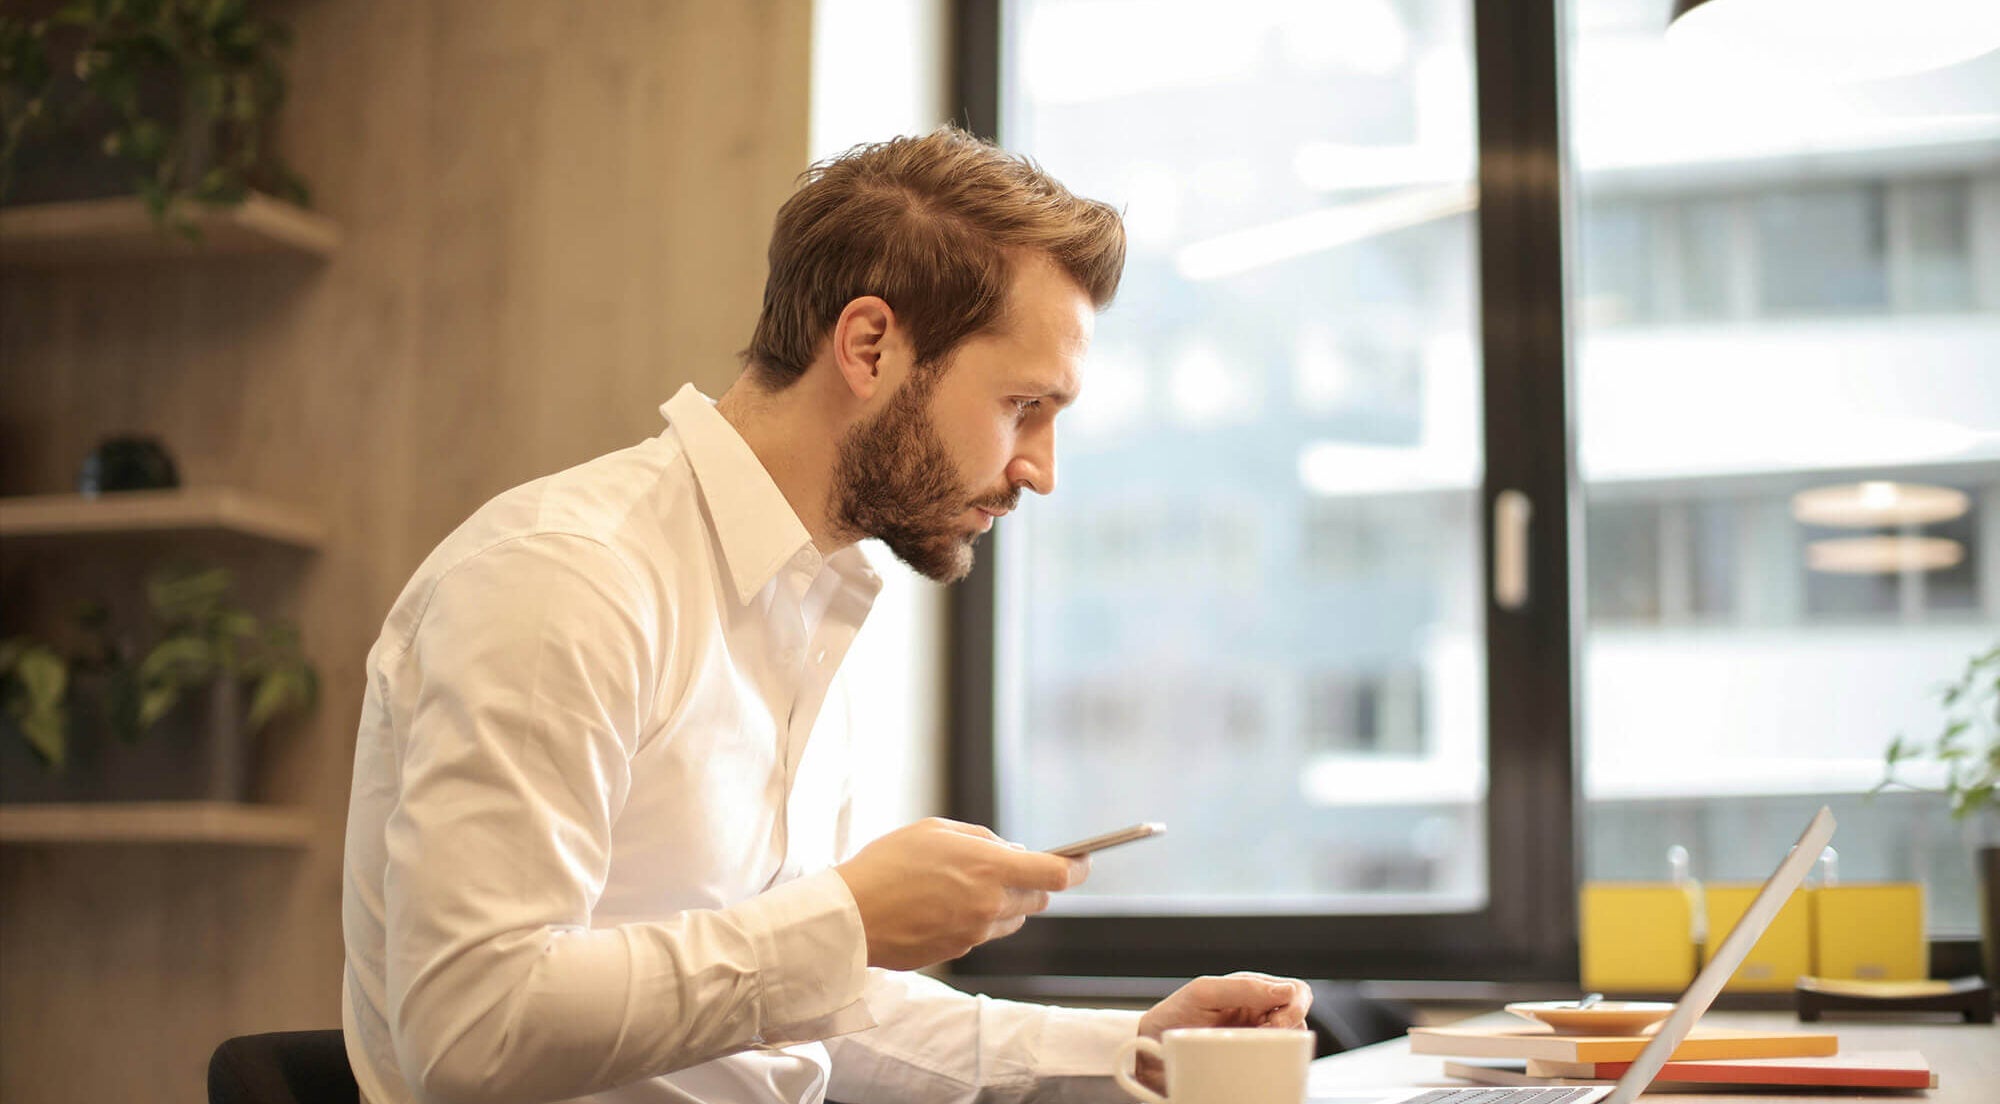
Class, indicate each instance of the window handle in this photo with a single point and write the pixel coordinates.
(1511, 513)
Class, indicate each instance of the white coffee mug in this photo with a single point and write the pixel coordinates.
(1223, 1065)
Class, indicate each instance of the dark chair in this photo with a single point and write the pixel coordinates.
(282, 1067)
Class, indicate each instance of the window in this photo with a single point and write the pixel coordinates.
(1674, 253)
(1823, 251)
(1261, 586)
(1826, 329)
(1259, 609)
(1371, 713)
(1298, 306)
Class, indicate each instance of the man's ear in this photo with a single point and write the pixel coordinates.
(860, 338)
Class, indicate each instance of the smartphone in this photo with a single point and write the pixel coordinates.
(1084, 847)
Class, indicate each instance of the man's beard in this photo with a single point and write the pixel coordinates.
(895, 481)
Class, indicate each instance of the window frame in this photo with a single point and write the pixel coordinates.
(1520, 934)
(1528, 929)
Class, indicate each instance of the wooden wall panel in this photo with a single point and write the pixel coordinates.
(554, 214)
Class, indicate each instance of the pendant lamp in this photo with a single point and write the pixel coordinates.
(1836, 40)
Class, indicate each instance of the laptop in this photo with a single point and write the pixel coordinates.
(1700, 993)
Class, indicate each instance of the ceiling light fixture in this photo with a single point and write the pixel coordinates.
(1883, 555)
(1835, 40)
(1877, 503)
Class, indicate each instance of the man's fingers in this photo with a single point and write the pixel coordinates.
(1293, 1012)
(1286, 1017)
(1234, 991)
(1298, 995)
(964, 829)
(1257, 992)
(1040, 870)
(1026, 902)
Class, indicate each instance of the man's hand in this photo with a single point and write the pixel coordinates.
(935, 889)
(1241, 999)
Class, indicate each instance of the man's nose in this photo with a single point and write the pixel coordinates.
(1034, 467)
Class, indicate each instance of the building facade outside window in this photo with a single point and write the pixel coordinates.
(1256, 611)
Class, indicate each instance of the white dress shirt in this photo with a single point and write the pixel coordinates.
(596, 806)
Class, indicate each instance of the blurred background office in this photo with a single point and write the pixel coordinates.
(1526, 441)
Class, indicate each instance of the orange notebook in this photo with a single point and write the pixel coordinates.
(1896, 1069)
(1539, 1042)
(1885, 1069)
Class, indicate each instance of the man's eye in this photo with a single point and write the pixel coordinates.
(1025, 407)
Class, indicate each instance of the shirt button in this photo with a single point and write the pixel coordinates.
(819, 656)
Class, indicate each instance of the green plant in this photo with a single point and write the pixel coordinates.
(1968, 747)
(25, 78)
(33, 680)
(200, 636)
(187, 88)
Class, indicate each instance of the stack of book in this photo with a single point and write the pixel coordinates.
(1536, 1055)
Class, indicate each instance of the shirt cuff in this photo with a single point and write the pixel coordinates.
(812, 959)
(1078, 1042)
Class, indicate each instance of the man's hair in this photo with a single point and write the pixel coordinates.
(932, 225)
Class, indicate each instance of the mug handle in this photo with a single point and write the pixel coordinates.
(1123, 1062)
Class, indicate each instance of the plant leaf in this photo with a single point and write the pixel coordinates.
(76, 13)
(42, 678)
(179, 661)
(44, 733)
(43, 675)
(277, 693)
(180, 596)
(156, 702)
(235, 623)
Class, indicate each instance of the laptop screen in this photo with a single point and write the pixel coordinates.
(1700, 993)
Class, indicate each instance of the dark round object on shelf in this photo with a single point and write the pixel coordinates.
(127, 463)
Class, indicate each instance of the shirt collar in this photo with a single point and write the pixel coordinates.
(758, 530)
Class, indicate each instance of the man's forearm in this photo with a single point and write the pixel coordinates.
(553, 1013)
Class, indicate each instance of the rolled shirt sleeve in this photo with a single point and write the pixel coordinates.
(531, 673)
(936, 1045)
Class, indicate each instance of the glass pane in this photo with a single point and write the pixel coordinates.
(1257, 586)
(1704, 239)
(1816, 268)
(1821, 250)
(1940, 271)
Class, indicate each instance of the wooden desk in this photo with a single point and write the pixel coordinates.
(1965, 1056)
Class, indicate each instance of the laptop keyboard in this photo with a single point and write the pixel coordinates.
(1498, 1096)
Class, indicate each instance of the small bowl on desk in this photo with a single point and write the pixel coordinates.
(1602, 1018)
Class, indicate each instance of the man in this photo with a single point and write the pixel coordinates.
(591, 849)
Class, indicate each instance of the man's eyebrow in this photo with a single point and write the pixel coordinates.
(1061, 396)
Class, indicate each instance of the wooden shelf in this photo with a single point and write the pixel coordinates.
(156, 822)
(92, 231)
(186, 510)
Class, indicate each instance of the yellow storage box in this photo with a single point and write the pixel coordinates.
(1872, 931)
(1636, 937)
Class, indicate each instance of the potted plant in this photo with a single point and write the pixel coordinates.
(172, 100)
(170, 712)
(1967, 753)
